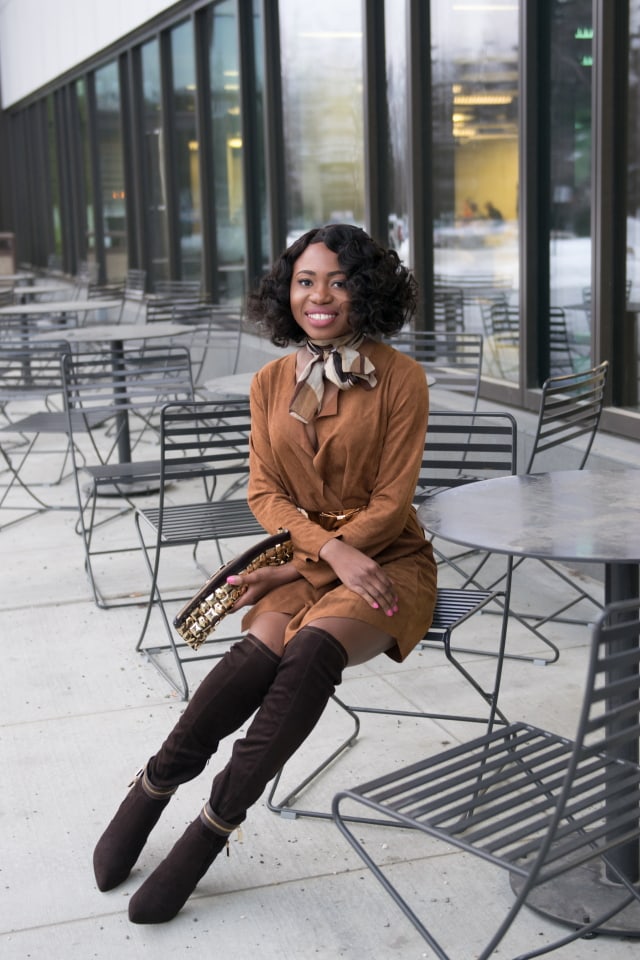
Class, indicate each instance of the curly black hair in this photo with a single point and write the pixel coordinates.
(383, 291)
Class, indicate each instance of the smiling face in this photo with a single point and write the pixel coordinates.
(318, 294)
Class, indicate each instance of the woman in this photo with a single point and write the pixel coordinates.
(337, 437)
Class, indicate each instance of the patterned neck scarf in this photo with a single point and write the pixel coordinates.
(337, 361)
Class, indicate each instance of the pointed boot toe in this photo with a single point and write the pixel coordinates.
(165, 892)
(121, 844)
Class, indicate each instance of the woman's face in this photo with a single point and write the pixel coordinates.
(318, 294)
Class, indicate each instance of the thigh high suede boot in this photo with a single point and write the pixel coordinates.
(309, 672)
(226, 698)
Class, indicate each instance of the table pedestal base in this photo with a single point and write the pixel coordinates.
(580, 894)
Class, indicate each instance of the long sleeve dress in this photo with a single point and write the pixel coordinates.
(367, 455)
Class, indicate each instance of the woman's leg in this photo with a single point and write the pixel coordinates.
(309, 671)
(226, 698)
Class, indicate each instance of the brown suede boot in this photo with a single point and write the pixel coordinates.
(309, 671)
(121, 844)
(227, 696)
(170, 885)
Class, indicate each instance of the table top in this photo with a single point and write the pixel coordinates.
(116, 332)
(581, 515)
(58, 306)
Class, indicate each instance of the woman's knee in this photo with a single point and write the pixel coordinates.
(360, 640)
(270, 628)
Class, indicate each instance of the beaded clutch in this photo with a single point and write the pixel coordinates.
(216, 598)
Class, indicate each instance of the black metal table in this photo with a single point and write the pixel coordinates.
(574, 515)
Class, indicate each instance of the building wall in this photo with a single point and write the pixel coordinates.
(42, 39)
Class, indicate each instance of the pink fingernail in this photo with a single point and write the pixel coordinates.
(232, 580)
(376, 606)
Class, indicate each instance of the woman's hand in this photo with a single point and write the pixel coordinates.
(262, 581)
(361, 574)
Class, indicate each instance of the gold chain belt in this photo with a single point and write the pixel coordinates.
(331, 519)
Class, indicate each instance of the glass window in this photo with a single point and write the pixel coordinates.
(111, 171)
(87, 172)
(475, 162)
(395, 27)
(227, 149)
(155, 184)
(633, 200)
(55, 255)
(187, 151)
(570, 240)
(322, 92)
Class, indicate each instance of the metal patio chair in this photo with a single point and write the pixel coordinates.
(204, 461)
(117, 390)
(529, 801)
(454, 359)
(460, 447)
(568, 417)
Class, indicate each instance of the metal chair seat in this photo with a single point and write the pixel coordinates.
(191, 522)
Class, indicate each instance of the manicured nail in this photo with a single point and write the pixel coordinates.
(233, 580)
(376, 606)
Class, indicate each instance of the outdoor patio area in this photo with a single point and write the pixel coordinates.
(82, 711)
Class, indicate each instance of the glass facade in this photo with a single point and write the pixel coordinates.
(223, 130)
(113, 238)
(154, 178)
(322, 103)
(631, 341)
(88, 214)
(227, 150)
(475, 189)
(570, 194)
(186, 152)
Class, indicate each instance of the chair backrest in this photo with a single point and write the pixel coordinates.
(177, 288)
(206, 439)
(105, 291)
(605, 746)
(6, 297)
(570, 410)
(448, 309)
(138, 383)
(560, 352)
(453, 359)
(30, 369)
(134, 284)
(463, 447)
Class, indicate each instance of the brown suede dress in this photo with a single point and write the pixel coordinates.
(367, 454)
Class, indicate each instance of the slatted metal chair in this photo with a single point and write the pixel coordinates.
(30, 380)
(117, 390)
(135, 288)
(529, 801)
(568, 418)
(454, 359)
(460, 447)
(177, 288)
(204, 461)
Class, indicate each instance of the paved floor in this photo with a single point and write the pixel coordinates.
(81, 712)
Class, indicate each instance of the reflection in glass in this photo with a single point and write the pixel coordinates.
(322, 85)
(155, 188)
(226, 132)
(475, 163)
(87, 172)
(395, 28)
(112, 190)
(570, 241)
(54, 183)
(633, 187)
(187, 151)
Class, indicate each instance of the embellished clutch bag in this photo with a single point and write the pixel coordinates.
(216, 598)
